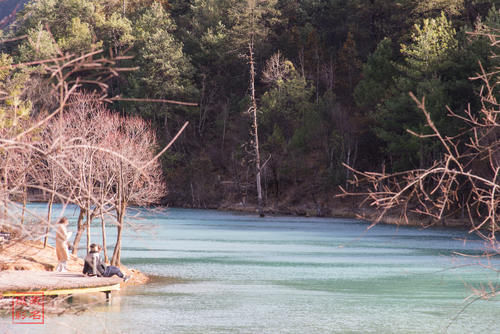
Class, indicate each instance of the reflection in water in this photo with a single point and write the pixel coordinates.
(97, 301)
(216, 272)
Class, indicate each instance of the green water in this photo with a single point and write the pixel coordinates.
(217, 272)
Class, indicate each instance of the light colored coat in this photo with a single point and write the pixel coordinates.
(62, 237)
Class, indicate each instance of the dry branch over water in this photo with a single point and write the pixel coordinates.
(464, 181)
(73, 150)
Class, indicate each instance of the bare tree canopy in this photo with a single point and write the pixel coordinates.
(74, 148)
(464, 182)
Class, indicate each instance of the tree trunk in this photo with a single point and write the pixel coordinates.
(165, 125)
(25, 200)
(255, 129)
(89, 194)
(301, 60)
(89, 219)
(317, 75)
(6, 192)
(103, 229)
(49, 214)
(115, 260)
(203, 108)
(79, 231)
(225, 113)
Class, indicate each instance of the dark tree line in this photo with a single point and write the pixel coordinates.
(331, 83)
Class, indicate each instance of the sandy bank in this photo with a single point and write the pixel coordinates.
(32, 256)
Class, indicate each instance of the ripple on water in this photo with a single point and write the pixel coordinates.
(218, 272)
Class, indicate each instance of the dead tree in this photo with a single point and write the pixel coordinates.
(255, 125)
(466, 177)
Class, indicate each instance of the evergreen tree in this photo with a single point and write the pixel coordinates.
(437, 63)
(164, 70)
(431, 44)
(378, 76)
(74, 25)
(348, 68)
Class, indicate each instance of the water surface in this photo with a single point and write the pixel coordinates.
(219, 272)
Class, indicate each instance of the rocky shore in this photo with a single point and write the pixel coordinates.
(346, 208)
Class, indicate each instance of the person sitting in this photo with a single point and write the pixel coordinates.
(93, 265)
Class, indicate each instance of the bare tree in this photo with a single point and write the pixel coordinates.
(79, 152)
(464, 181)
(133, 139)
(81, 129)
(276, 69)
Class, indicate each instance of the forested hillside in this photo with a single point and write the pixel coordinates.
(8, 11)
(331, 84)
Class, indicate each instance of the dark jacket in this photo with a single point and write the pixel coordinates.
(93, 265)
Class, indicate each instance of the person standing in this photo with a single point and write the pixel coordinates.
(62, 236)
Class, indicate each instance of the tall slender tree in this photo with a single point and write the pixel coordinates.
(253, 20)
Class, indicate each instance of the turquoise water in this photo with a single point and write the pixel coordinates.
(219, 272)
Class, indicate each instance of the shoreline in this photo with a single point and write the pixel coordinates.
(368, 216)
(31, 255)
(338, 207)
(33, 265)
(347, 208)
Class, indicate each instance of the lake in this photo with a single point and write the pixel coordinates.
(222, 272)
